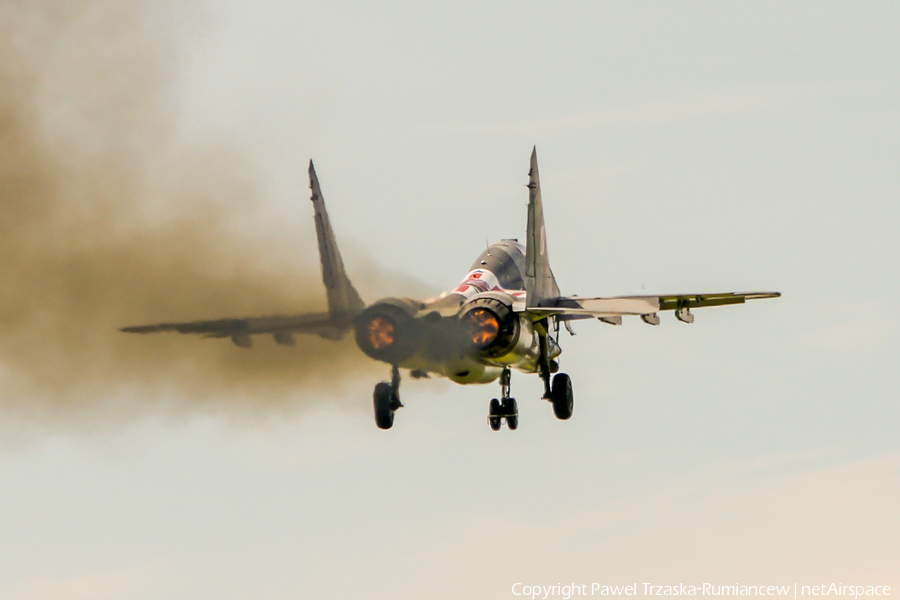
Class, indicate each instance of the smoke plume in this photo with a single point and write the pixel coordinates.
(106, 222)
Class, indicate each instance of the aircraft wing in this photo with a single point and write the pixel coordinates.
(574, 307)
(281, 327)
(344, 303)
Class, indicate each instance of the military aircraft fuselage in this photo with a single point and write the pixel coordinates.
(468, 334)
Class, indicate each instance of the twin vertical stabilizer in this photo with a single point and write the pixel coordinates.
(540, 284)
(343, 298)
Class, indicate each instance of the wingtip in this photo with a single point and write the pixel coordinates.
(761, 295)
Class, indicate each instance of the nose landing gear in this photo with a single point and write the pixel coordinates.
(504, 408)
(387, 400)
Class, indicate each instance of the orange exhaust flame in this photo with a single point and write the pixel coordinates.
(381, 333)
(482, 327)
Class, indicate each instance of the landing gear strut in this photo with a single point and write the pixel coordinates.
(387, 400)
(560, 392)
(505, 407)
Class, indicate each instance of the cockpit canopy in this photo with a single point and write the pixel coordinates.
(506, 260)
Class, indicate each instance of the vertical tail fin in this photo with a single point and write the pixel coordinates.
(343, 298)
(540, 284)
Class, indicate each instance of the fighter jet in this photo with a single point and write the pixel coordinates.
(505, 314)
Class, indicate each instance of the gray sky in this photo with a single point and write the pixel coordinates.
(697, 147)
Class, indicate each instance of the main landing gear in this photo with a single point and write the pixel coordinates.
(560, 392)
(387, 400)
(557, 391)
(505, 407)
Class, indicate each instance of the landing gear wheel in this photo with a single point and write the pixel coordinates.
(505, 407)
(494, 410)
(562, 397)
(386, 402)
(512, 411)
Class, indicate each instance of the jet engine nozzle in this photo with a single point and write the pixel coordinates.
(385, 331)
(482, 327)
(488, 325)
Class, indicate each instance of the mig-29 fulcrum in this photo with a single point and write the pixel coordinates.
(505, 314)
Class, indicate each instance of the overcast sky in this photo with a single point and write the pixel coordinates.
(683, 147)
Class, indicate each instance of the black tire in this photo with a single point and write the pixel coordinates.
(512, 409)
(383, 399)
(494, 409)
(562, 396)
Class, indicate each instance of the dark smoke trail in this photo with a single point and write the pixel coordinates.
(86, 245)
